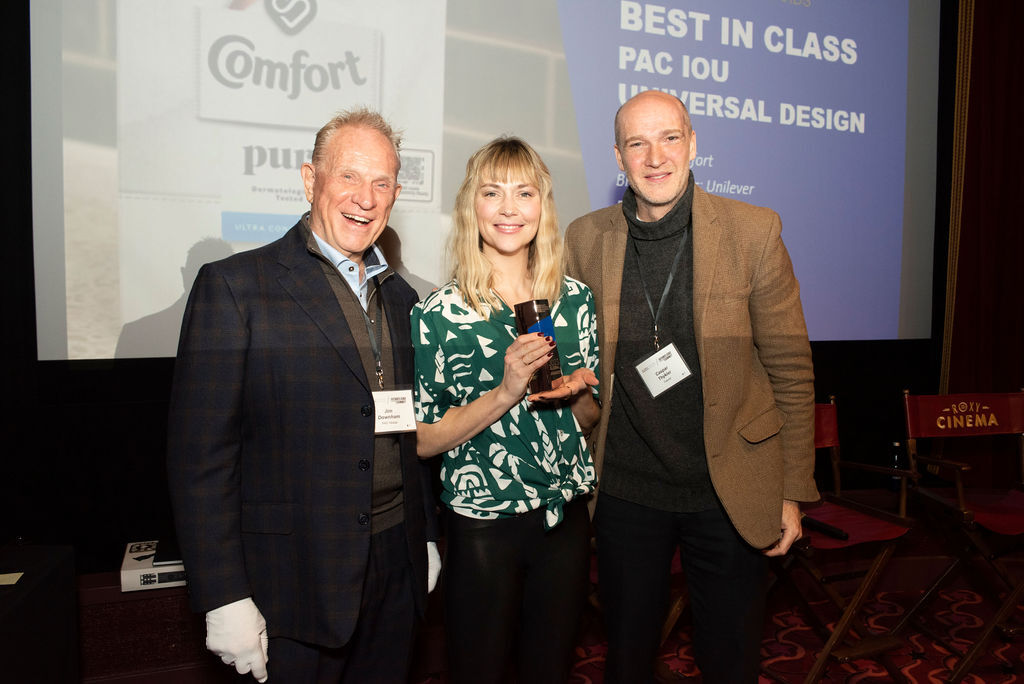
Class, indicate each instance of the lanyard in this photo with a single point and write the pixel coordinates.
(376, 335)
(668, 283)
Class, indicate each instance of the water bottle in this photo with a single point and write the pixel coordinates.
(896, 461)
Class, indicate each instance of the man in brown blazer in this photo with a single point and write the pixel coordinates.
(706, 436)
(299, 516)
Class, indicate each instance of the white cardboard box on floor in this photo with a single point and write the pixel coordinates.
(138, 571)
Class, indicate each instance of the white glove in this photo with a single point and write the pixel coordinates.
(237, 633)
(433, 565)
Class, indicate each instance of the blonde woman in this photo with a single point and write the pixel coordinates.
(516, 468)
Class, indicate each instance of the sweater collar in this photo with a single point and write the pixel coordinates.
(672, 223)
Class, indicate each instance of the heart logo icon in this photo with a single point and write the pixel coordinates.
(291, 16)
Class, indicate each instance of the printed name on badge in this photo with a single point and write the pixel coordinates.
(393, 411)
(663, 369)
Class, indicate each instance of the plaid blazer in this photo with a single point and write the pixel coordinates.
(755, 360)
(271, 414)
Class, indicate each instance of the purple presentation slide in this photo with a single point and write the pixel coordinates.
(798, 105)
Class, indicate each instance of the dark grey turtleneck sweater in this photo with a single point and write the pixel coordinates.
(655, 450)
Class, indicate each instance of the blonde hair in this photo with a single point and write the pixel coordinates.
(504, 159)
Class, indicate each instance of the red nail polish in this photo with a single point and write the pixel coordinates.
(551, 343)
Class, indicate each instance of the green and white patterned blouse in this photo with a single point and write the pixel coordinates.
(535, 454)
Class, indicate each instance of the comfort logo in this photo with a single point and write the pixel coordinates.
(235, 62)
(250, 73)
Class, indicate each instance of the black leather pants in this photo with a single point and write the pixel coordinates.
(513, 596)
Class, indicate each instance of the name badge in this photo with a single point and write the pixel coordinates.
(663, 369)
(393, 411)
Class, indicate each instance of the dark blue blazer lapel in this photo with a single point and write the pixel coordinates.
(304, 280)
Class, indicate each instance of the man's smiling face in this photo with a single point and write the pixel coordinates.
(352, 190)
(654, 146)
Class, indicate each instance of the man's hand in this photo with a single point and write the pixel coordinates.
(237, 633)
(791, 529)
(433, 565)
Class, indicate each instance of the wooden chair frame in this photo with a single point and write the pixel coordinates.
(849, 638)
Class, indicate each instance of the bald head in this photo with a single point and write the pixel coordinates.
(645, 100)
(654, 145)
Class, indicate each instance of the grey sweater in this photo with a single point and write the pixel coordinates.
(655, 450)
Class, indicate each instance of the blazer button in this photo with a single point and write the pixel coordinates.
(364, 464)
(364, 518)
(366, 410)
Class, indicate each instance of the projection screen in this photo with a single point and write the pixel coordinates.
(169, 134)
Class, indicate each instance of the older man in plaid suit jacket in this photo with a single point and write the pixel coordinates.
(297, 519)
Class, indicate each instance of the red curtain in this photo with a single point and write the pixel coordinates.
(984, 350)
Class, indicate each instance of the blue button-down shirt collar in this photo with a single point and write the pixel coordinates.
(373, 262)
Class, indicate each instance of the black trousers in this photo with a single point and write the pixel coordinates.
(512, 588)
(726, 580)
(380, 649)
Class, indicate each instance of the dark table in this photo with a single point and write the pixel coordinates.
(38, 615)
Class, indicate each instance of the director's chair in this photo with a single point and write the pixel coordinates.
(854, 537)
(987, 523)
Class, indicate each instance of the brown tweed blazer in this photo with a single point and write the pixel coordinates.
(755, 359)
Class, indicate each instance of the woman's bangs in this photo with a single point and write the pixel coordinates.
(510, 166)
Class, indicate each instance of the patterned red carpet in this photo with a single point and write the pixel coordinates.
(790, 646)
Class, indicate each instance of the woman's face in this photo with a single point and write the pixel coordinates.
(507, 216)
